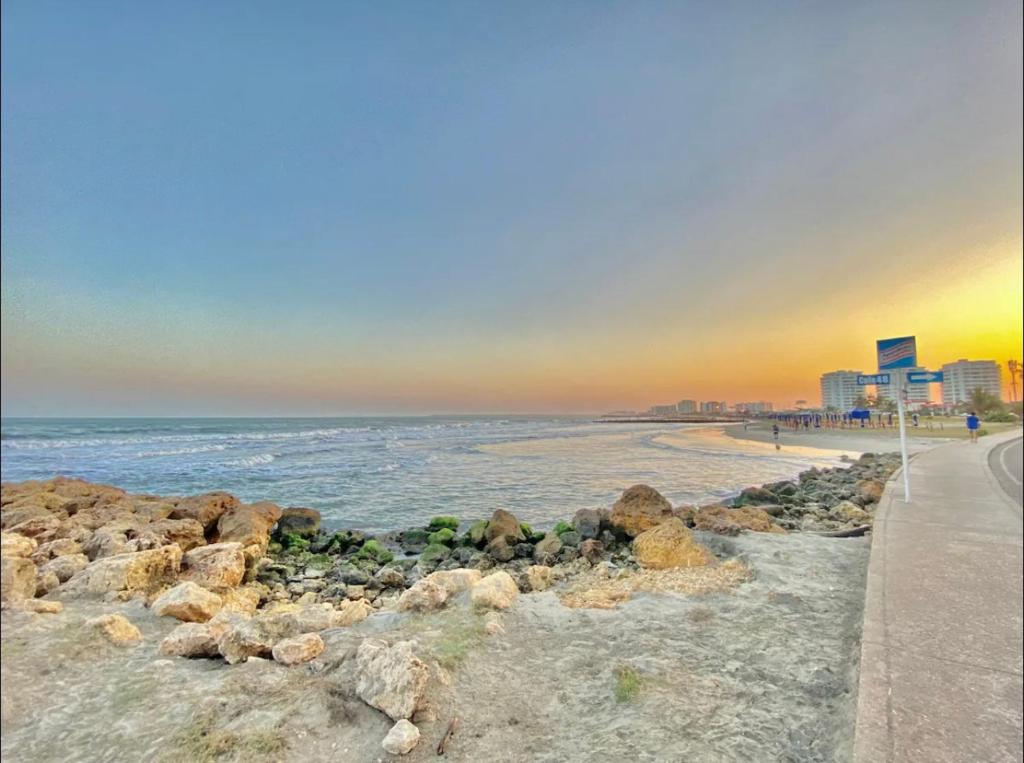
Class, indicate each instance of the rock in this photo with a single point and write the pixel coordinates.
(117, 629)
(188, 602)
(845, 511)
(444, 536)
(297, 650)
(249, 525)
(351, 575)
(784, 489)
(413, 541)
(138, 573)
(592, 550)
(187, 533)
(402, 738)
(65, 567)
(685, 514)
(390, 678)
(243, 600)
(640, 508)
(205, 509)
(191, 640)
(500, 550)
(539, 577)
(352, 612)
(547, 549)
(724, 521)
(425, 595)
(477, 533)
(216, 566)
(302, 522)
(870, 491)
(503, 524)
(570, 538)
(492, 624)
(753, 496)
(13, 516)
(587, 523)
(46, 582)
(55, 548)
(455, 581)
(522, 550)
(41, 528)
(42, 606)
(243, 638)
(496, 591)
(669, 544)
(435, 554)
(152, 510)
(13, 544)
(17, 579)
(105, 542)
(390, 577)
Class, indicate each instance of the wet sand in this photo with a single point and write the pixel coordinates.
(851, 441)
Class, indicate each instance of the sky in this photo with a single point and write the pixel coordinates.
(248, 208)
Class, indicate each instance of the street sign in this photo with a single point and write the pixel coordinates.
(900, 352)
(873, 379)
(923, 377)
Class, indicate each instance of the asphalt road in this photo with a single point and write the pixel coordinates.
(1007, 463)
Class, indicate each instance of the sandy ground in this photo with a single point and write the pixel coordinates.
(854, 440)
(765, 672)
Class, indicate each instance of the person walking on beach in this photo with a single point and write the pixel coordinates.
(973, 424)
(775, 432)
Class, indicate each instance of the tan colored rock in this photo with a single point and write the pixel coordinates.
(187, 533)
(244, 600)
(424, 595)
(152, 510)
(13, 544)
(41, 529)
(670, 544)
(592, 550)
(46, 582)
(245, 638)
(639, 509)
(870, 491)
(205, 509)
(17, 579)
(250, 525)
(191, 640)
(188, 602)
(42, 606)
(402, 738)
(216, 566)
(17, 514)
(547, 549)
(352, 612)
(65, 567)
(539, 577)
(105, 542)
(455, 581)
(717, 519)
(140, 573)
(297, 650)
(117, 629)
(846, 511)
(55, 548)
(496, 591)
(503, 524)
(390, 678)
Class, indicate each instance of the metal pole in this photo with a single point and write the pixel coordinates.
(903, 434)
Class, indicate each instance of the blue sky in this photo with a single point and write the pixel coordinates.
(513, 203)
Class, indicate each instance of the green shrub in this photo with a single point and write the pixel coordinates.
(628, 683)
(444, 536)
(444, 523)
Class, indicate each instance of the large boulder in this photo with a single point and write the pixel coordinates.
(496, 591)
(587, 523)
(847, 511)
(500, 549)
(457, 580)
(17, 579)
(424, 595)
(13, 544)
(243, 638)
(299, 649)
(55, 548)
(539, 577)
(670, 544)
(547, 549)
(106, 541)
(755, 496)
(187, 533)
(249, 525)
(402, 738)
(503, 524)
(116, 628)
(870, 491)
(302, 522)
(726, 521)
(390, 678)
(640, 508)
(143, 572)
(205, 509)
(188, 602)
(191, 640)
(65, 567)
(41, 529)
(217, 566)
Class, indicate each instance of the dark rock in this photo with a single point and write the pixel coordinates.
(414, 541)
(302, 522)
(568, 554)
(463, 554)
(587, 523)
(435, 554)
(523, 550)
(546, 550)
(755, 496)
(500, 549)
(477, 533)
(592, 550)
(503, 524)
(390, 577)
(351, 575)
(571, 538)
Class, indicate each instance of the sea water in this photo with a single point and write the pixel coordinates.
(388, 473)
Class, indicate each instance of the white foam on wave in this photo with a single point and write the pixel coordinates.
(250, 461)
(181, 451)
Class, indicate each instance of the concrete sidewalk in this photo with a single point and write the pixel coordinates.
(941, 658)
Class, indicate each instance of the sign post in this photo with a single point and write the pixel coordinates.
(895, 355)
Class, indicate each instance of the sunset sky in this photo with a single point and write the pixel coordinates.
(341, 208)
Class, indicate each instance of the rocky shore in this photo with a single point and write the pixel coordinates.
(392, 616)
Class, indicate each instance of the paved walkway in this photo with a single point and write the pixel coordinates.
(941, 658)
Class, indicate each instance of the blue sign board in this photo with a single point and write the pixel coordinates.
(900, 352)
(873, 379)
(923, 377)
(860, 413)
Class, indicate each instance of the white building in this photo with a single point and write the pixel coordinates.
(960, 379)
(713, 406)
(686, 406)
(917, 394)
(839, 390)
(757, 406)
(663, 410)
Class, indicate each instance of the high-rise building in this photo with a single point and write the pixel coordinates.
(662, 410)
(960, 379)
(686, 406)
(916, 394)
(839, 390)
(713, 406)
(758, 406)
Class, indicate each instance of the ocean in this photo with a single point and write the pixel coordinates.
(395, 472)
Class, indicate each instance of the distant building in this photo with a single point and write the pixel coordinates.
(713, 406)
(917, 394)
(686, 406)
(960, 379)
(839, 390)
(663, 410)
(758, 406)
